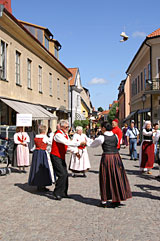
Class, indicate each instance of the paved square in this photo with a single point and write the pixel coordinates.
(28, 215)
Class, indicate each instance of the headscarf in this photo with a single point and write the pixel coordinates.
(146, 123)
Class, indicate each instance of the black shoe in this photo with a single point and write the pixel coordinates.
(102, 205)
(42, 189)
(116, 204)
(135, 159)
(84, 175)
(66, 196)
(56, 197)
(131, 158)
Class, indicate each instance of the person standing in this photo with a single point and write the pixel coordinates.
(61, 143)
(146, 155)
(41, 171)
(82, 164)
(113, 181)
(156, 132)
(124, 130)
(21, 150)
(132, 139)
(88, 131)
(116, 130)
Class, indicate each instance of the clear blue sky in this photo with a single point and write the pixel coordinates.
(89, 32)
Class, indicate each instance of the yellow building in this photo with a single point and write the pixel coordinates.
(144, 72)
(32, 79)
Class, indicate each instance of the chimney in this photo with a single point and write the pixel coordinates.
(7, 5)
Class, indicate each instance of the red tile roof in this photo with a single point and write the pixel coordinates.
(74, 73)
(105, 112)
(155, 33)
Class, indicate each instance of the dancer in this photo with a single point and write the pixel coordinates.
(21, 150)
(113, 181)
(82, 164)
(41, 171)
(146, 155)
(62, 143)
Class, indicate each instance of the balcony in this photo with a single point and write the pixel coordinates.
(152, 86)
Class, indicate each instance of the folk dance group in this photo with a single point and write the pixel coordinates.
(113, 181)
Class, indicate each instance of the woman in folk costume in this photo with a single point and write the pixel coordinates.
(146, 155)
(82, 163)
(21, 150)
(113, 181)
(41, 172)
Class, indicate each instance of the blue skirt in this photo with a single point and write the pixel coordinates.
(39, 172)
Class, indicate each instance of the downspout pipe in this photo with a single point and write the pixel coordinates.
(151, 78)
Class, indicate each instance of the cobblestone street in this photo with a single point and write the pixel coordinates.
(28, 215)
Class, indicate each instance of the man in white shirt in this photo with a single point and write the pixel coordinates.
(132, 138)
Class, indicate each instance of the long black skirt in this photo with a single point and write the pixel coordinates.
(114, 183)
(39, 172)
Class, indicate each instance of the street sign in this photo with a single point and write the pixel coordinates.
(24, 120)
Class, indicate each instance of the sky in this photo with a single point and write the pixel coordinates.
(89, 32)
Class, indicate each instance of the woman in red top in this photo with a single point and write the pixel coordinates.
(40, 172)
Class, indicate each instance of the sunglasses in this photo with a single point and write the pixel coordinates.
(66, 127)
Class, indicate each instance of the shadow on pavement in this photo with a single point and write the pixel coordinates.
(86, 200)
(146, 192)
(33, 190)
(93, 171)
(139, 174)
(14, 170)
(98, 155)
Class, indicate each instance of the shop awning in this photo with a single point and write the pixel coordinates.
(130, 115)
(37, 111)
(144, 110)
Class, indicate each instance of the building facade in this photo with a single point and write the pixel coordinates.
(32, 79)
(144, 72)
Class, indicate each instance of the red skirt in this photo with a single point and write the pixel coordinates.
(114, 184)
(147, 160)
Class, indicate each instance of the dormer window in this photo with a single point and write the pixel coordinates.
(46, 43)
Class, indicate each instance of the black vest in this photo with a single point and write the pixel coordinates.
(109, 145)
(149, 138)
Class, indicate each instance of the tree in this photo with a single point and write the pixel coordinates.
(100, 109)
(112, 114)
(82, 123)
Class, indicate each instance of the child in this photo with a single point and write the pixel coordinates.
(41, 172)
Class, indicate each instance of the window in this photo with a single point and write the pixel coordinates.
(40, 35)
(29, 73)
(78, 101)
(145, 78)
(4, 60)
(18, 82)
(135, 86)
(141, 81)
(138, 84)
(40, 79)
(56, 52)
(149, 71)
(58, 88)
(64, 91)
(50, 85)
(46, 43)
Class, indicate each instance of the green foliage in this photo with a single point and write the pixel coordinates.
(82, 123)
(112, 114)
(100, 109)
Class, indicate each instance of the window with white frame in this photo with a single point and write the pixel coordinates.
(78, 101)
(29, 73)
(64, 91)
(18, 55)
(58, 88)
(3, 63)
(149, 71)
(40, 79)
(50, 85)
